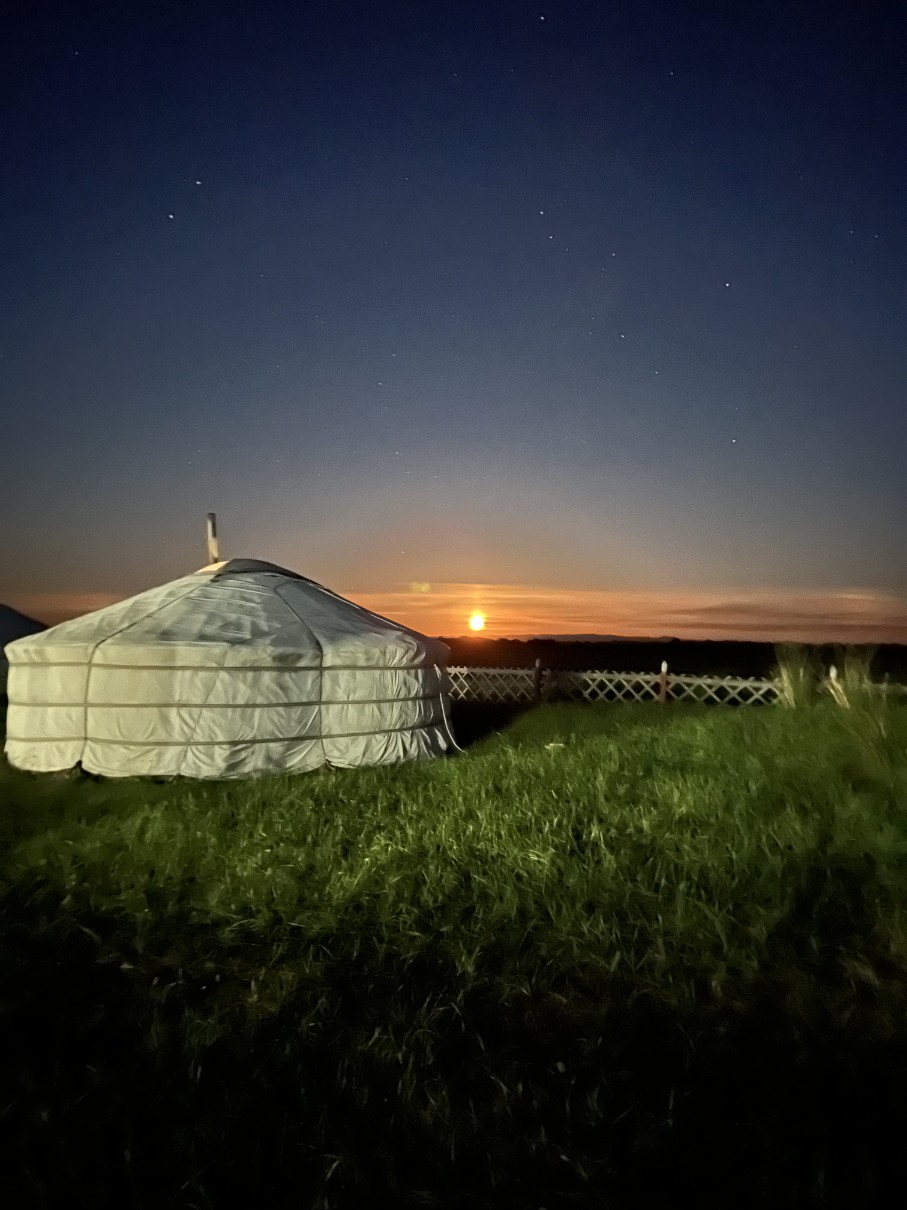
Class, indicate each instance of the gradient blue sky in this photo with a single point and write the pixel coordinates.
(568, 298)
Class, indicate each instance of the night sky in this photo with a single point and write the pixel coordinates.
(592, 316)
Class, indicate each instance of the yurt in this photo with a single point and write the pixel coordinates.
(240, 669)
(13, 625)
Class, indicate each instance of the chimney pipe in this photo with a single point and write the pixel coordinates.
(213, 553)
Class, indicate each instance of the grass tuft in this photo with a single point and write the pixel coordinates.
(797, 675)
(849, 680)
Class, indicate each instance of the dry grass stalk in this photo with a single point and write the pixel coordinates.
(795, 675)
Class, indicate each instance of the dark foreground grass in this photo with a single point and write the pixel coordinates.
(611, 957)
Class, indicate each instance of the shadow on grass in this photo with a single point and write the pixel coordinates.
(475, 721)
(566, 1092)
(529, 726)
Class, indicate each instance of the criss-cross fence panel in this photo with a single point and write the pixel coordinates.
(492, 684)
(526, 685)
(723, 690)
(530, 685)
(602, 686)
(645, 686)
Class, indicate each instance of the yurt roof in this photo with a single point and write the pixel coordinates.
(241, 604)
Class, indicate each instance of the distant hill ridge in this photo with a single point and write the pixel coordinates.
(579, 638)
(12, 617)
(715, 657)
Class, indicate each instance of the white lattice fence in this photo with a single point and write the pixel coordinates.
(525, 685)
(602, 686)
(492, 684)
(723, 690)
(529, 685)
(647, 686)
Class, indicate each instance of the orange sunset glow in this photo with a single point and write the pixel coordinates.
(516, 610)
(513, 610)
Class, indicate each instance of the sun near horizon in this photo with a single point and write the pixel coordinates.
(477, 621)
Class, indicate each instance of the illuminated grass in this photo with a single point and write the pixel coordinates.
(796, 675)
(526, 964)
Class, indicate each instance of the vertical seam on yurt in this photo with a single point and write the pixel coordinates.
(198, 718)
(320, 647)
(113, 634)
(423, 640)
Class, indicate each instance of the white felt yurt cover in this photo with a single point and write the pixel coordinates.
(239, 669)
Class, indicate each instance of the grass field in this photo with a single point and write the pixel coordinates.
(610, 956)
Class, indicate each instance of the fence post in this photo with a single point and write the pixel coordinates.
(663, 682)
(537, 683)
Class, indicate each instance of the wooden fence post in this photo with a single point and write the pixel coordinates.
(537, 683)
(663, 682)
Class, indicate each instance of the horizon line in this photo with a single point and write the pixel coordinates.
(524, 612)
